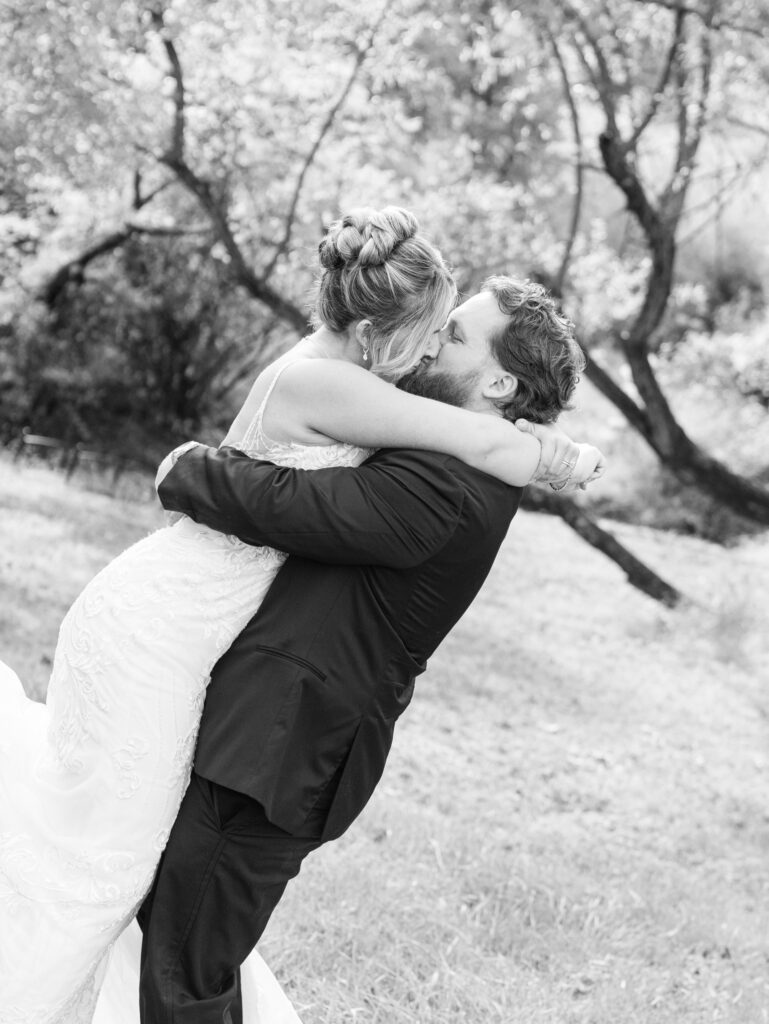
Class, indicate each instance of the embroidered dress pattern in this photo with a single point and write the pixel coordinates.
(90, 782)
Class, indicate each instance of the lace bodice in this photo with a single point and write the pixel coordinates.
(294, 454)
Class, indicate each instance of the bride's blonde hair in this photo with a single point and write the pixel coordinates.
(377, 267)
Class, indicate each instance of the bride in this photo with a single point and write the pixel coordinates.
(90, 782)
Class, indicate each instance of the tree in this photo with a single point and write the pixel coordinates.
(663, 78)
(692, 44)
(245, 125)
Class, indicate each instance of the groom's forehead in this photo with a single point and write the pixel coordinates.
(480, 313)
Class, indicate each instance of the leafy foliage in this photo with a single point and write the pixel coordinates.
(144, 351)
(241, 127)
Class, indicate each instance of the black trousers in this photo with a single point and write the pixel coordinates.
(220, 878)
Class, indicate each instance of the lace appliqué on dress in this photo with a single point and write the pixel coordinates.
(90, 789)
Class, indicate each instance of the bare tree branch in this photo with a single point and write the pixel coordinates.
(72, 270)
(537, 499)
(361, 54)
(706, 71)
(578, 161)
(621, 169)
(633, 413)
(139, 200)
(137, 189)
(707, 16)
(174, 158)
(170, 231)
(600, 76)
(690, 137)
(738, 122)
(616, 43)
(243, 273)
(659, 89)
(682, 122)
(718, 201)
(176, 151)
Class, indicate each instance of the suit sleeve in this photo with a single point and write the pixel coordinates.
(396, 510)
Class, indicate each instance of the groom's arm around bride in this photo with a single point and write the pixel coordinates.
(384, 560)
(300, 711)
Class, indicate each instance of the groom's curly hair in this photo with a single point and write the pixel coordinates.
(538, 347)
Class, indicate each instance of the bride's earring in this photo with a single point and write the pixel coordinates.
(362, 329)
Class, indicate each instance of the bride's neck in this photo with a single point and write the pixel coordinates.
(332, 345)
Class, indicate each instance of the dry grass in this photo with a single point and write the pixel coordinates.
(573, 825)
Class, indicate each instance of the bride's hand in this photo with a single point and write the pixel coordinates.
(563, 463)
(590, 465)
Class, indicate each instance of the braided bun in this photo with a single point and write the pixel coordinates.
(377, 267)
(366, 237)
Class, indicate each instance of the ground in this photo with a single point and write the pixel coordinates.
(573, 825)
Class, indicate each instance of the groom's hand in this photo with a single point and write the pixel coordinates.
(563, 463)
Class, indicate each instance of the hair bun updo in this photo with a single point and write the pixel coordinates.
(378, 267)
(366, 237)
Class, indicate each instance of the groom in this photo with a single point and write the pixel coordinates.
(300, 712)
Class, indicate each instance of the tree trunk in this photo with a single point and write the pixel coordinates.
(638, 574)
(687, 461)
(655, 421)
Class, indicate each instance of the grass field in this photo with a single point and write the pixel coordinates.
(573, 827)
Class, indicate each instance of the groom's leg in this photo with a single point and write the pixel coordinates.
(222, 873)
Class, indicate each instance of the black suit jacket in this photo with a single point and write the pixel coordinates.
(384, 560)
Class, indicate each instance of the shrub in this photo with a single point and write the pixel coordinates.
(143, 352)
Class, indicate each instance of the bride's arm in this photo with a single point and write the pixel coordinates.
(343, 402)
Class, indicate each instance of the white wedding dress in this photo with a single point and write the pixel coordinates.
(90, 783)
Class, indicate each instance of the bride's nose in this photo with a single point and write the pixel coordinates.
(434, 345)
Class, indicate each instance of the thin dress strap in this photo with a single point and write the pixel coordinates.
(255, 438)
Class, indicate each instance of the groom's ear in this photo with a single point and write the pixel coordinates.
(500, 387)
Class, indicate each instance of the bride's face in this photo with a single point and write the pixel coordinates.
(427, 348)
(416, 342)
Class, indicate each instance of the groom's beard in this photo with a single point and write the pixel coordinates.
(451, 388)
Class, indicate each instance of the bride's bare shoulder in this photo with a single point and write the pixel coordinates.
(303, 377)
(296, 388)
(254, 399)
